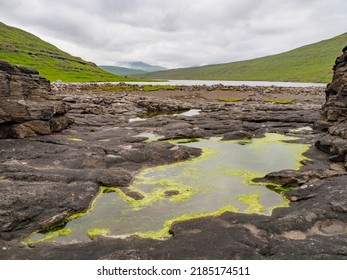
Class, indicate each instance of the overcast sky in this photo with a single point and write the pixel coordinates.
(176, 33)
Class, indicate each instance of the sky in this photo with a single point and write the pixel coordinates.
(176, 33)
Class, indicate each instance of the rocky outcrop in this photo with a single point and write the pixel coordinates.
(26, 106)
(335, 113)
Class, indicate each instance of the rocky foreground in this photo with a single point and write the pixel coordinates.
(48, 176)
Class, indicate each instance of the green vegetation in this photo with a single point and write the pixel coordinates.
(97, 232)
(252, 201)
(279, 101)
(157, 87)
(47, 237)
(230, 99)
(22, 48)
(121, 71)
(129, 87)
(311, 63)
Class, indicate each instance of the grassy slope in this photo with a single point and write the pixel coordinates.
(23, 48)
(122, 71)
(311, 63)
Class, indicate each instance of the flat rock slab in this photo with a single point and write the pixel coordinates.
(46, 178)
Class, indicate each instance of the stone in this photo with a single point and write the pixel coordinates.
(335, 112)
(237, 135)
(26, 105)
(46, 178)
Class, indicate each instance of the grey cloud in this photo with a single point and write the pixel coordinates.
(177, 32)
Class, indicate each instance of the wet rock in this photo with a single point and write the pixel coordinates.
(237, 135)
(285, 178)
(172, 193)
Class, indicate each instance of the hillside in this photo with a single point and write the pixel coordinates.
(23, 48)
(121, 71)
(139, 65)
(310, 63)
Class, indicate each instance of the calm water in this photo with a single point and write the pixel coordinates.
(225, 83)
(231, 83)
(219, 179)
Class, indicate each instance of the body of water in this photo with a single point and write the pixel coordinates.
(220, 180)
(231, 83)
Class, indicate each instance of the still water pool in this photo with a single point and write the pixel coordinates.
(219, 180)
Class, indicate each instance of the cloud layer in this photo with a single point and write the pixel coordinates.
(176, 33)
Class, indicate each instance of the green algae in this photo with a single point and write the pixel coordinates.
(97, 232)
(75, 139)
(279, 101)
(230, 99)
(102, 190)
(252, 201)
(186, 141)
(220, 180)
(165, 231)
(47, 237)
(153, 139)
(158, 193)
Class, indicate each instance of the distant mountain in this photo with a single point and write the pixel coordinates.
(121, 71)
(139, 65)
(20, 47)
(310, 63)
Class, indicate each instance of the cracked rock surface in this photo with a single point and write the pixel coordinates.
(46, 178)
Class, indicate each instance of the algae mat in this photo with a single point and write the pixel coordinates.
(220, 180)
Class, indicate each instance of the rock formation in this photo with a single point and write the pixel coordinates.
(335, 113)
(26, 106)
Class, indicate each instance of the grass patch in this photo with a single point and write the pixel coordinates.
(279, 101)
(148, 88)
(230, 99)
(22, 48)
(128, 88)
(310, 63)
(117, 88)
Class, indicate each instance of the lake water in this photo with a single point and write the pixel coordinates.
(225, 83)
(220, 180)
(231, 83)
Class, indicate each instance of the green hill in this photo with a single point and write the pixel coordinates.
(311, 63)
(23, 48)
(121, 71)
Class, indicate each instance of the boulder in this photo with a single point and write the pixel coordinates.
(237, 135)
(335, 112)
(27, 107)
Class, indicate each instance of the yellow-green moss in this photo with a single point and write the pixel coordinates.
(102, 190)
(153, 139)
(252, 201)
(75, 139)
(97, 232)
(246, 175)
(164, 232)
(160, 187)
(279, 101)
(185, 192)
(47, 237)
(258, 143)
(230, 99)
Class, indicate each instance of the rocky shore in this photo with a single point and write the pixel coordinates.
(48, 176)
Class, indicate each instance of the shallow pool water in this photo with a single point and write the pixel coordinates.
(219, 180)
(150, 114)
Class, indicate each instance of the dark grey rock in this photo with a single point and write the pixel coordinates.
(26, 107)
